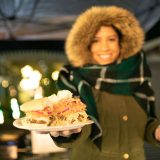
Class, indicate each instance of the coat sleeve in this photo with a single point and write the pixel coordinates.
(74, 139)
(150, 130)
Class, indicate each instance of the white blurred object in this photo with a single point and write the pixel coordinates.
(64, 94)
(43, 143)
(53, 98)
(55, 75)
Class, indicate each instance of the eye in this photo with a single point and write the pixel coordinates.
(112, 39)
(95, 40)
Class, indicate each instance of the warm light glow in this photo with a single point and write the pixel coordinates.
(12, 91)
(36, 75)
(55, 75)
(29, 84)
(5, 83)
(26, 71)
(31, 78)
(46, 81)
(15, 108)
(1, 117)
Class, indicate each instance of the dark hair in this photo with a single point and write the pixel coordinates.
(115, 28)
(110, 25)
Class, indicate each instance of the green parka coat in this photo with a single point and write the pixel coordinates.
(124, 124)
(125, 127)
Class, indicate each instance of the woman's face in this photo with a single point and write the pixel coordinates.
(105, 47)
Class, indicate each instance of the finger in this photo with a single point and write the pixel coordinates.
(77, 130)
(158, 137)
(65, 133)
(157, 134)
(54, 134)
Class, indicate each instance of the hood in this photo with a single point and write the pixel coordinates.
(87, 24)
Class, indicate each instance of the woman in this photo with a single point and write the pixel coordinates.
(109, 72)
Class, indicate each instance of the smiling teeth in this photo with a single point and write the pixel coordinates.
(104, 56)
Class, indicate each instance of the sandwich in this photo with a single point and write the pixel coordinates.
(55, 110)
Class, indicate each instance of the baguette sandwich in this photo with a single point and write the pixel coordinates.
(55, 110)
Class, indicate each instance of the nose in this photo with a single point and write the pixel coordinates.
(104, 45)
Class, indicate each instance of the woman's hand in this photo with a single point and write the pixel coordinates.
(157, 133)
(65, 133)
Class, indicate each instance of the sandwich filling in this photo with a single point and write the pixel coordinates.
(64, 111)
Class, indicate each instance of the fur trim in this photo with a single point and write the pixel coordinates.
(88, 23)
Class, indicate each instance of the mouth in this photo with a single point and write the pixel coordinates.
(104, 56)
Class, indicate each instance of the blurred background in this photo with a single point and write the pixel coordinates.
(32, 37)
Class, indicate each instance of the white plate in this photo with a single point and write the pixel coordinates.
(17, 123)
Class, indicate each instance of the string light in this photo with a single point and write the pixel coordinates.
(5, 83)
(26, 71)
(1, 115)
(55, 75)
(31, 78)
(15, 108)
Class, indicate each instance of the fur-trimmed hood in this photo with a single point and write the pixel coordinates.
(88, 23)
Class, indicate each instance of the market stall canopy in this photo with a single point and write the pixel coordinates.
(51, 19)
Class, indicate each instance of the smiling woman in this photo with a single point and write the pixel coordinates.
(110, 73)
(105, 46)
